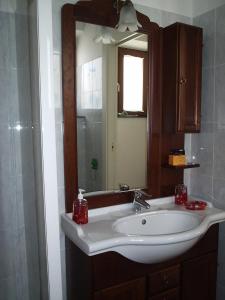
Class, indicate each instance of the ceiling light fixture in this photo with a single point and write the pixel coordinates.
(128, 18)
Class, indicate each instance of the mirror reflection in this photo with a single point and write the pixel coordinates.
(112, 83)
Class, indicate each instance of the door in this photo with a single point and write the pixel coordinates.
(199, 278)
(189, 78)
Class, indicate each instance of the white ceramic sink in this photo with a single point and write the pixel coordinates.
(157, 223)
(162, 232)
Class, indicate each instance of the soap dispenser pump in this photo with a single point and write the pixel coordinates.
(80, 209)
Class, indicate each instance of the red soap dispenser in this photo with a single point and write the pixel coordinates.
(80, 209)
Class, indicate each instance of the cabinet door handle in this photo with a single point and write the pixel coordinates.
(165, 280)
(166, 283)
(165, 277)
(183, 80)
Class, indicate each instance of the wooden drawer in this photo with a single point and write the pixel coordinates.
(164, 280)
(132, 290)
(173, 294)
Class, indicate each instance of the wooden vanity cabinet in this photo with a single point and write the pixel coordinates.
(109, 276)
(182, 68)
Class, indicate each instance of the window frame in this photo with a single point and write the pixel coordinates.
(137, 53)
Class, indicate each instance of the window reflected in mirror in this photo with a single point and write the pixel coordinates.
(132, 82)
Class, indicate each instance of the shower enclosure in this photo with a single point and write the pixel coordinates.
(20, 225)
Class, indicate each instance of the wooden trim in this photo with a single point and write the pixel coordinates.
(103, 13)
(69, 104)
(154, 112)
(137, 53)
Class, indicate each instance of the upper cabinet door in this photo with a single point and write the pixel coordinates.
(182, 68)
(189, 78)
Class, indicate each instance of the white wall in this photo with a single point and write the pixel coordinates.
(190, 8)
(48, 143)
(182, 7)
(201, 6)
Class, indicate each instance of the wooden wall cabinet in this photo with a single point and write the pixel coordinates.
(182, 68)
(109, 276)
(181, 101)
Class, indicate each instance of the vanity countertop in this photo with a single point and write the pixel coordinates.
(101, 234)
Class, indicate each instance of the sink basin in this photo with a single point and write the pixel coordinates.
(160, 233)
(157, 223)
(169, 234)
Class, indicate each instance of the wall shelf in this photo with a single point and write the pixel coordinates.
(187, 166)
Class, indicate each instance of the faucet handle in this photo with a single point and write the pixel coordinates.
(139, 193)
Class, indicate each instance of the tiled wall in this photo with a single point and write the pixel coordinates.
(19, 265)
(209, 146)
(161, 17)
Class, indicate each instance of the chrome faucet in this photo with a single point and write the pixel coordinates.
(138, 202)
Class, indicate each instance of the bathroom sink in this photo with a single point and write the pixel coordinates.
(157, 223)
(157, 234)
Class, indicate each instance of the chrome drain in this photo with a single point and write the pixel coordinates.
(143, 222)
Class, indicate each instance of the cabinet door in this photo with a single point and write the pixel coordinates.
(189, 78)
(199, 278)
(132, 290)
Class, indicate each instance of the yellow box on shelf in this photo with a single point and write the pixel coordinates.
(177, 160)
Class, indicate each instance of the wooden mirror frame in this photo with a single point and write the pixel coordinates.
(103, 12)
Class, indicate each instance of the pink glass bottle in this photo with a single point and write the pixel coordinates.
(80, 209)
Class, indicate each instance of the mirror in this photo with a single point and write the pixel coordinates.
(104, 13)
(112, 82)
